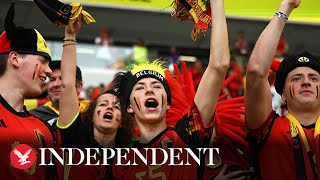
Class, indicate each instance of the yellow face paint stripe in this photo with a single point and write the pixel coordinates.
(291, 91)
(36, 71)
(136, 100)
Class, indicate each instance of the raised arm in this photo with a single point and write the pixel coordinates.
(258, 100)
(69, 103)
(219, 60)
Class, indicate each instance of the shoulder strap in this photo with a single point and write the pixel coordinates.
(256, 145)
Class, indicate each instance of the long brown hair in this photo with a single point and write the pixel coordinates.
(124, 132)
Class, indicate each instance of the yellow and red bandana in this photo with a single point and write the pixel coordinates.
(63, 14)
(197, 10)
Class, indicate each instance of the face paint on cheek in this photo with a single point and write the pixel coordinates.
(36, 71)
(136, 100)
(292, 91)
(118, 120)
(318, 89)
(98, 112)
(162, 99)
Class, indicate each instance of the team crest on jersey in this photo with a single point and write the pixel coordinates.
(2, 124)
(40, 138)
(166, 143)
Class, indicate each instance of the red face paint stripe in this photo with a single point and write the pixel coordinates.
(36, 71)
(291, 91)
(137, 103)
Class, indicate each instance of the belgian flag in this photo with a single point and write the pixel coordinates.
(62, 14)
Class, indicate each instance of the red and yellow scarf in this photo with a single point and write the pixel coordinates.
(312, 166)
(197, 10)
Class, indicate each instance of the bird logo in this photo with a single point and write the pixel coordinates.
(22, 156)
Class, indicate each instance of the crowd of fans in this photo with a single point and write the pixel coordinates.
(259, 107)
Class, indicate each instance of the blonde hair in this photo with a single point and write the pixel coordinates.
(157, 65)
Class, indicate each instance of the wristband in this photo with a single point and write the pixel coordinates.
(74, 43)
(72, 40)
(281, 16)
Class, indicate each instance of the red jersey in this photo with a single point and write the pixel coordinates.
(189, 132)
(81, 171)
(21, 128)
(276, 156)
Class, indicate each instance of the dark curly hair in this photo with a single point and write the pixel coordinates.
(125, 131)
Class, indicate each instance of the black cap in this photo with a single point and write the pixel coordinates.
(56, 11)
(22, 40)
(304, 59)
(56, 64)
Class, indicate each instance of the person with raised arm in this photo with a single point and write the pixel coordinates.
(147, 97)
(101, 125)
(284, 147)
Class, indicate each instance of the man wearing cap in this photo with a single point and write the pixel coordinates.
(50, 111)
(24, 67)
(284, 147)
(147, 96)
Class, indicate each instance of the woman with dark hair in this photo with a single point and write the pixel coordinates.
(102, 124)
(123, 129)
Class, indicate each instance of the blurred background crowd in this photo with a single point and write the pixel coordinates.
(126, 34)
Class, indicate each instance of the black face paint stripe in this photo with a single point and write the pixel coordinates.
(291, 91)
(135, 100)
(162, 98)
(35, 71)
